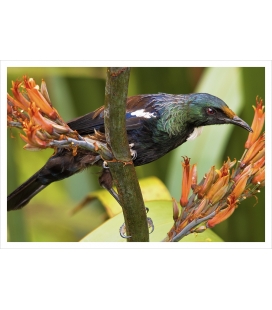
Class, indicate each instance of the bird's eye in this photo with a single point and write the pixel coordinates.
(210, 111)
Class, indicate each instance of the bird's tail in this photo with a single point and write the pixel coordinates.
(21, 196)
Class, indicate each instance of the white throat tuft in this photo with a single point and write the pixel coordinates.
(197, 131)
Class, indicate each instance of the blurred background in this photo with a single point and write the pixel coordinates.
(77, 91)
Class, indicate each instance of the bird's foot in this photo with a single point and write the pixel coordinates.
(105, 165)
(123, 232)
(133, 153)
(149, 222)
(150, 225)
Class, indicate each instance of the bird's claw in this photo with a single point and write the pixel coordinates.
(105, 165)
(133, 153)
(123, 232)
(150, 225)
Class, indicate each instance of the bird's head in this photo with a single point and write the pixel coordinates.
(205, 109)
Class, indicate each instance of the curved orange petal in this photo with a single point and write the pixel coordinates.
(257, 124)
(18, 95)
(221, 216)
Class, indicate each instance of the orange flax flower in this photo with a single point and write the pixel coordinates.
(258, 164)
(221, 215)
(15, 103)
(254, 149)
(217, 185)
(240, 186)
(31, 138)
(257, 124)
(224, 170)
(38, 119)
(218, 190)
(21, 102)
(259, 176)
(186, 182)
(258, 156)
(36, 96)
(209, 179)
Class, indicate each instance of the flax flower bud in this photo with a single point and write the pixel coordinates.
(254, 149)
(221, 216)
(218, 190)
(204, 202)
(259, 176)
(186, 182)
(257, 124)
(44, 92)
(22, 102)
(175, 209)
(194, 176)
(210, 176)
(240, 186)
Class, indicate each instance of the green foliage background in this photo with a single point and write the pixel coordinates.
(76, 91)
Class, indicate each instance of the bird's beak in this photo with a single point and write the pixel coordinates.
(239, 122)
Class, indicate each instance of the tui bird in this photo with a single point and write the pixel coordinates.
(155, 123)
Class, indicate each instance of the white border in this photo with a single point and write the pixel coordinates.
(127, 245)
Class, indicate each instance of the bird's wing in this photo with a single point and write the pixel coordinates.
(86, 124)
(139, 108)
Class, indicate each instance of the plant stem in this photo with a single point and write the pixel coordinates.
(122, 169)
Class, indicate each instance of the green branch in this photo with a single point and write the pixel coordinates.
(122, 169)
